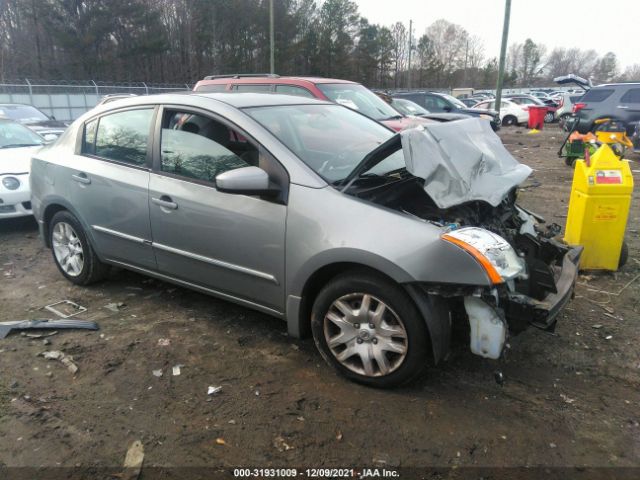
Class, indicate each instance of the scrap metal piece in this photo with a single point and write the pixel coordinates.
(77, 308)
(46, 324)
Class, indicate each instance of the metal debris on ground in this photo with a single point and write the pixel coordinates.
(213, 390)
(157, 373)
(65, 308)
(39, 335)
(66, 360)
(45, 324)
(133, 460)
(281, 445)
(114, 307)
(176, 370)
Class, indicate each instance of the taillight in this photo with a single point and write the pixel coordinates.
(578, 106)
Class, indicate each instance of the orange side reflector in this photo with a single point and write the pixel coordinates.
(492, 273)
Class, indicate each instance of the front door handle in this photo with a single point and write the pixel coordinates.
(81, 178)
(165, 202)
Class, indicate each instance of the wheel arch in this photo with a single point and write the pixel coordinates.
(58, 205)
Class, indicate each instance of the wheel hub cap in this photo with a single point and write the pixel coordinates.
(67, 249)
(365, 335)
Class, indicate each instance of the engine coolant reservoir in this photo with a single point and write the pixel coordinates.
(488, 331)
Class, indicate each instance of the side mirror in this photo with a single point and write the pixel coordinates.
(447, 108)
(52, 117)
(247, 181)
(50, 137)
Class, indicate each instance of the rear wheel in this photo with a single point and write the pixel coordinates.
(73, 254)
(549, 117)
(369, 330)
(509, 120)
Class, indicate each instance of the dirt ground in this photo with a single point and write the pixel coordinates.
(568, 399)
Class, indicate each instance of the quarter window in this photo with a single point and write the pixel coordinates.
(195, 146)
(124, 136)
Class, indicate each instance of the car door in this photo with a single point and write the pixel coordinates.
(109, 181)
(629, 106)
(230, 244)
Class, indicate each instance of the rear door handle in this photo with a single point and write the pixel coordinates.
(81, 178)
(165, 202)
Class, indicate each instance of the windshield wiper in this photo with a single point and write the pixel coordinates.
(16, 145)
(392, 117)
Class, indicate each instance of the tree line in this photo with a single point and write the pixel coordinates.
(180, 41)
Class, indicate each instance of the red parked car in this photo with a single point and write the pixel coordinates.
(347, 93)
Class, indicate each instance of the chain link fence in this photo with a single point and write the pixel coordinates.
(66, 100)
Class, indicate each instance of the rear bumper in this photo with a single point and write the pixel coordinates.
(543, 313)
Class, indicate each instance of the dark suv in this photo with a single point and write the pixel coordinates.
(620, 101)
(443, 103)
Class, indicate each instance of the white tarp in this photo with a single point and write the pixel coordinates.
(461, 161)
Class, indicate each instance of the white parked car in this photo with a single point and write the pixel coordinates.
(510, 112)
(17, 145)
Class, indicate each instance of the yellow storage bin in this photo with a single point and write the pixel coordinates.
(598, 208)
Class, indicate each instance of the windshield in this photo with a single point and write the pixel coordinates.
(22, 113)
(454, 100)
(13, 134)
(408, 107)
(330, 139)
(357, 97)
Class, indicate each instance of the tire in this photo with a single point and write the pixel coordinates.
(624, 254)
(549, 117)
(72, 253)
(509, 121)
(569, 161)
(408, 347)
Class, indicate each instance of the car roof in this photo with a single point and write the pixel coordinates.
(618, 84)
(237, 100)
(273, 80)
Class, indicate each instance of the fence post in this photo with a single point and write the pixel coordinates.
(30, 91)
(96, 87)
(146, 89)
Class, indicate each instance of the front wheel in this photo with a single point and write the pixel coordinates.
(73, 254)
(369, 330)
(549, 117)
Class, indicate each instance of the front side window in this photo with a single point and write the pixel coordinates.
(198, 147)
(248, 87)
(293, 90)
(123, 136)
(356, 97)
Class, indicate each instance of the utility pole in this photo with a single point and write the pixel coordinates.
(503, 53)
(409, 68)
(272, 62)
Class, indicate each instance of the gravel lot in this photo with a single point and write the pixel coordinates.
(569, 398)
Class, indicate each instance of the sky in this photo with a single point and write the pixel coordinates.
(588, 24)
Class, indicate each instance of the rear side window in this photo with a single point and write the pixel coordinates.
(293, 90)
(213, 87)
(597, 95)
(632, 96)
(124, 136)
(247, 87)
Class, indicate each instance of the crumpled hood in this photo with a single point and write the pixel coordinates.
(16, 160)
(461, 161)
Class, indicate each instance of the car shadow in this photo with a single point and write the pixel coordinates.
(19, 224)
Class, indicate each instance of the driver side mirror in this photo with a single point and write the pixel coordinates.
(246, 181)
(50, 137)
(447, 108)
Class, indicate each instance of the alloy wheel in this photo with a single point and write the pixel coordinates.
(67, 249)
(365, 335)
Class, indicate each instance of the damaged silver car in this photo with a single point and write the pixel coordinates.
(373, 242)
